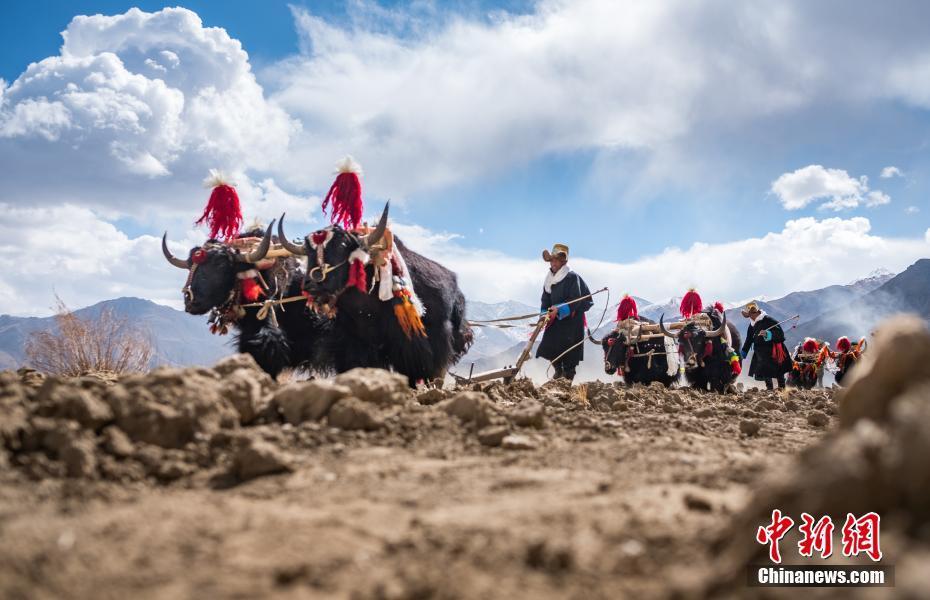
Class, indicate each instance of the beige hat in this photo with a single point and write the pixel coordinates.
(556, 250)
(751, 308)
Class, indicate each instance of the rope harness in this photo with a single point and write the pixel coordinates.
(232, 309)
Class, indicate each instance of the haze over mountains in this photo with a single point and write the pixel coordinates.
(827, 313)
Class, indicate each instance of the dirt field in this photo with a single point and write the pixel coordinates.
(218, 483)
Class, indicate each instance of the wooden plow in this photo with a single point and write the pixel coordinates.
(509, 372)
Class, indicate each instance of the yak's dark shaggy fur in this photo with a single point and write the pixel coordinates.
(804, 374)
(297, 344)
(365, 330)
(715, 374)
(617, 346)
(845, 362)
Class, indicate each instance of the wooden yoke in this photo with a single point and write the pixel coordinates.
(638, 329)
(248, 244)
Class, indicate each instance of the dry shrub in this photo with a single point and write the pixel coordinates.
(79, 346)
(580, 394)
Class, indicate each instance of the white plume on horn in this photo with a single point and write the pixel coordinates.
(348, 165)
(217, 178)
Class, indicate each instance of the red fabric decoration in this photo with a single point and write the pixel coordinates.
(357, 276)
(345, 196)
(810, 345)
(735, 367)
(691, 304)
(199, 256)
(251, 291)
(843, 344)
(318, 237)
(222, 214)
(309, 298)
(627, 309)
(778, 354)
(718, 306)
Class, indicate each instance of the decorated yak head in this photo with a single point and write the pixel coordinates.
(616, 345)
(213, 271)
(694, 342)
(336, 259)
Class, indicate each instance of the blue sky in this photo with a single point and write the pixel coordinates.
(736, 148)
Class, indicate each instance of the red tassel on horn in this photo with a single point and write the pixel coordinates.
(345, 195)
(691, 304)
(627, 308)
(810, 346)
(222, 214)
(843, 344)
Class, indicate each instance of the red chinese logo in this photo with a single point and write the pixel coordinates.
(817, 537)
(772, 534)
(859, 535)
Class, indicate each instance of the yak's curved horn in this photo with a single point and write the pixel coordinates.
(177, 262)
(259, 253)
(720, 330)
(662, 328)
(290, 246)
(375, 236)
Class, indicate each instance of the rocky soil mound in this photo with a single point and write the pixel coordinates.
(221, 482)
(234, 419)
(877, 460)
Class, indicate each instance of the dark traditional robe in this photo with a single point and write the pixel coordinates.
(764, 365)
(564, 333)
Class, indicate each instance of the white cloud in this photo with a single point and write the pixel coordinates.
(814, 183)
(88, 260)
(424, 104)
(84, 260)
(131, 99)
(889, 172)
(807, 254)
(877, 198)
(473, 98)
(911, 210)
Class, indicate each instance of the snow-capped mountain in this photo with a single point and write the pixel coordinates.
(669, 309)
(872, 281)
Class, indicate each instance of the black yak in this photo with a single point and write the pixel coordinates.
(370, 330)
(846, 356)
(221, 279)
(628, 354)
(704, 354)
(808, 363)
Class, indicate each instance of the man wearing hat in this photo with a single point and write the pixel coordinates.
(566, 321)
(770, 359)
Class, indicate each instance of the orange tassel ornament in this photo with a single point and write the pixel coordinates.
(406, 314)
